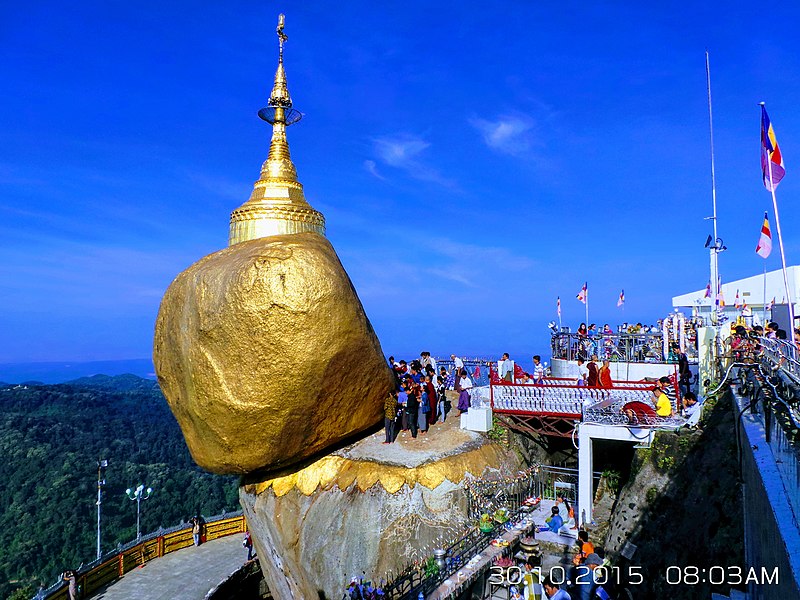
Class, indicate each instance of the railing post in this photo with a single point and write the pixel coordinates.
(121, 566)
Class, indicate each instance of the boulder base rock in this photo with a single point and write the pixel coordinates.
(266, 356)
(367, 508)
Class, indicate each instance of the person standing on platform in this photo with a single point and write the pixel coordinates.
(432, 397)
(72, 578)
(444, 403)
(583, 372)
(196, 529)
(389, 414)
(412, 406)
(604, 375)
(458, 364)
(400, 418)
(593, 378)
(247, 542)
(463, 385)
(684, 372)
(538, 370)
(506, 368)
(424, 407)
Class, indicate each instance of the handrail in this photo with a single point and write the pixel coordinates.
(113, 565)
(623, 347)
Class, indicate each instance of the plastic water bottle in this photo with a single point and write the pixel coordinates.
(421, 596)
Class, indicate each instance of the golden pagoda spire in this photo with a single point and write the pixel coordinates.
(277, 205)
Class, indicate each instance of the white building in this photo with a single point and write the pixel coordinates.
(751, 293)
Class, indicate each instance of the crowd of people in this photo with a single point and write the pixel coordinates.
(745, 342)
(419, 399)
(583, 580)
(634, 342)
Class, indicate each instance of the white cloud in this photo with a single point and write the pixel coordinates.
(372, 169)
(509, 134)
(493, 257)
(403, 152)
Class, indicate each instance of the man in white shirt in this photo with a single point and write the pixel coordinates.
(457, 362)
(538, 370)
(583, 372)
(506, 368)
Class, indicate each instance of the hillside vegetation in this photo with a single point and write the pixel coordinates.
(50, 439)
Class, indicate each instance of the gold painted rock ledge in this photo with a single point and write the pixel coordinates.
(266, 356)
(367, 507)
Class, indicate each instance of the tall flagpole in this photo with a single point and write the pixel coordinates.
(559, 314)
(764, 317)
(587, 303)
(714, 250)
(780, 237)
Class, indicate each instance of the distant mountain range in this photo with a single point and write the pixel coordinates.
(60, 372)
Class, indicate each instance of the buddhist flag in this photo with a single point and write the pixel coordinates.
(764, 246)
(771, 304)
(583, 293)
(708, 290)
(621, 299)
(558, 306)
(737, 303)
(771, 158)
(720, 297)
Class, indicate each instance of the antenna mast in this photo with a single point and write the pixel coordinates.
(716, 247)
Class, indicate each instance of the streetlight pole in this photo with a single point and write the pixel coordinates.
(101, 481)
(138, 494)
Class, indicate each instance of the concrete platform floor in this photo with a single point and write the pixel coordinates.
(187, 574)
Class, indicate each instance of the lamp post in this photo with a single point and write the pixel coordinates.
(138, 494)
(101, 481)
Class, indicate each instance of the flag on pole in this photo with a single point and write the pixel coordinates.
(720, 297)
(583, 293)
(708, 290)
(558, 306)
(770, 304)
(764, 246)
(621, 300)
(737, 303)
(771, 158)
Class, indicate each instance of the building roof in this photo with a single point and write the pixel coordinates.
(751, 290)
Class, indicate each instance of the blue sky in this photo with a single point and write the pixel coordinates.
(472, 163)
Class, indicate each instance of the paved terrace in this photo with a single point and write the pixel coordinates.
(185, 575)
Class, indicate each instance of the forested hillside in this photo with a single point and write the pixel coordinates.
(50, 439)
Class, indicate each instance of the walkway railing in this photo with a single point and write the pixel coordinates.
(471, 365)
(485, 496)
(623, 347)
(556, 399)
(782, 354)
(769, 404)
(113, 565)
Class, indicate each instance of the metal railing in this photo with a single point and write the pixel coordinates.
(772, 384)
(470, 364)
(588, 404)
(485, 496)
(113, 565)
(782, 354)
(622, 347)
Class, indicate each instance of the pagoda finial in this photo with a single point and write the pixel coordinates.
(277, 205)
(280, 92)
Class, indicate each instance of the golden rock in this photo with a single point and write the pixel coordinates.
(266, 356)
